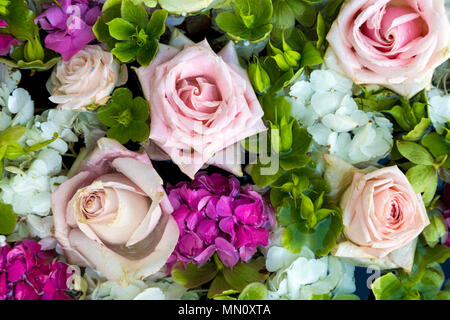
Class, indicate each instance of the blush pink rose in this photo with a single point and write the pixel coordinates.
(201, 103)
(382, 215)
(114, 216)
(393, 43)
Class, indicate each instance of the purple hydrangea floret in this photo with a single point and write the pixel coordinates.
(69, 24)
(28, 273)
(216, 215)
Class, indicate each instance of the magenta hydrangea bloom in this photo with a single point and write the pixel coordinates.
(70, 25)
(447, 220)
(215, 214)
(6, 40)
(27, 273)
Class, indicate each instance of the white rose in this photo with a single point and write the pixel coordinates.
(87, 78)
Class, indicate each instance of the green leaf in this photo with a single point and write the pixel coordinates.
(307, 211)
(219, 286)
(387, 287)
(8, 219)
(120, 133)
(431, 282)
(121, 29)
(414, 152)
(156, 26)
(250, 20)
(283, 15)
(230, 23)
(146, 53)
(254, 291)
(11, 135)
(436, 144)
(320, 30)
(125, 51)
(436, 231)
(294, 160)
(288, 213)
(304, 13)
(311, 55)
(264, 174)
(243, 273)
(139, 131)
(425, 257)
(402, 117)
(123, 97)
(14, 150)
(192, 276)
(41, 145)
(136, 14)
(20, 21)
(321, 239)
(111, 9)
(107, 114)
(418, 131)
(423, 179)
(140, 110)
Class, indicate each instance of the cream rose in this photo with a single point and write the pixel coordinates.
(87, 78)
(382, 214)
(201, 103)
(114, 216)
(393, 43)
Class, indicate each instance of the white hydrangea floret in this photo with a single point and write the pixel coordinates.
(439, 108)
(324, 105)
(9, 79)
(29, 191)
(139, 290)
(300, 276)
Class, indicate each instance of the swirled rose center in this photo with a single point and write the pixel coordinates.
(93, 203)
(395, 214)
(201, 97)
(390, 29)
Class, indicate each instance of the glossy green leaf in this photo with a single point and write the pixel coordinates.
(121, 29)
(243, 273)
(192, 276)
(320, 30)
(7, 219)
(219, 286)
(134, 13)
(156, 26)
(254, 291)
(387, 287)
(125, 51)
(415, 153)
(11, 135)
(418, 131)
(145, 54)
(423, 179)
(321, 239)
(436, 144)
(311, 55)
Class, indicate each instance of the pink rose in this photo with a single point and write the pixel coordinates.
(86, 79)
(201, 103)
(382, 214)
(114, 216)
(393, 43)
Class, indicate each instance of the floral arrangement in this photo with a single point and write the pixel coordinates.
(224, 149)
